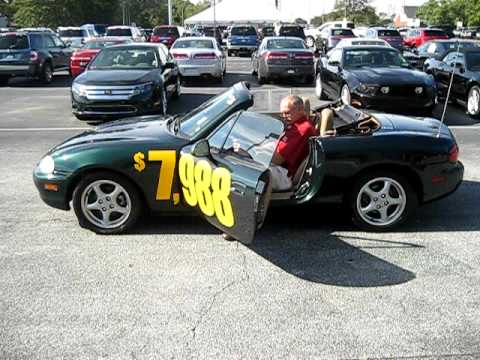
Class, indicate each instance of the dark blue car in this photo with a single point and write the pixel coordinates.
(242, 38)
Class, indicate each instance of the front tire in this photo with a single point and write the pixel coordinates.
(473, 101)
(107, 203)
(381, 200)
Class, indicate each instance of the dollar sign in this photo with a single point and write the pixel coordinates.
(139, 163)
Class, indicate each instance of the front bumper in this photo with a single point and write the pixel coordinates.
(114, 109)
(393, 102)
(214, 70)
(58, 199)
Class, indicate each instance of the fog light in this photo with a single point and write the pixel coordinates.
(385, 90)
(419, 90)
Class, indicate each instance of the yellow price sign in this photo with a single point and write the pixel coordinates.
(206, 187)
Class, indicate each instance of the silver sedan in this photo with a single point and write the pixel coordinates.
(199, 57)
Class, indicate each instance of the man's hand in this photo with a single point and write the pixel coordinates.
(277, 159)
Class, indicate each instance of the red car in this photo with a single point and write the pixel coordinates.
(81, 58)
(165, 34)
(416, 37)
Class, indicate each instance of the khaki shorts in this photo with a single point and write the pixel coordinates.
(280, 179)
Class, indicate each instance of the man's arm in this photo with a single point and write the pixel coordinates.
(277, 159)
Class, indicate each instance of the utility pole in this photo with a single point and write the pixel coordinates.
(214, 19)
(169, 12)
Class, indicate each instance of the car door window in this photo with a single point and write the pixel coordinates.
(58, 42)
(335, 56)
(49, 43)
(36, 41)
(217, 139)
(431, 48)
(253, 138)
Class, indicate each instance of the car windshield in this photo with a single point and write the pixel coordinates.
(473, 61)
(388, 33)
(200, 118)
(434, 33)
(373, 58)
(166, 31)
(119, 32)
(243, 31)
(285, 44)
(100, 44)
(342, 32)
(72, 33)
(13, 42)
(193, 44)
(125, 59)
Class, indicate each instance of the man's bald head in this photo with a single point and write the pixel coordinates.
(292, 108)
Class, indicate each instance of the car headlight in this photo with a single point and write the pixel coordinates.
(367, 89)
(46, 165)
(143, 89)
(79, 89)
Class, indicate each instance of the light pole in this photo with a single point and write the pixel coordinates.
(169, 12)
(214, 19)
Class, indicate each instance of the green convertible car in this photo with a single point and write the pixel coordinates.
(216, 159)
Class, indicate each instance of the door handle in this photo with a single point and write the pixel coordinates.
(238, 188)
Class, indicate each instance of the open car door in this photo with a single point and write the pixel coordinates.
(227, 177)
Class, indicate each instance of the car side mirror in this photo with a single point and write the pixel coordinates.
(201, 148)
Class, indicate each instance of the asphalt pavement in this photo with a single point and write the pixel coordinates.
(311, 286)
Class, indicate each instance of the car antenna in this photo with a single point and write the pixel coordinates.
(448, 92)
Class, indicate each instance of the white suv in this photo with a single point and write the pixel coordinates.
(131, 32)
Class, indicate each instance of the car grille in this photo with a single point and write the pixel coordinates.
(407, 91)
(109, 110)
(112, 93)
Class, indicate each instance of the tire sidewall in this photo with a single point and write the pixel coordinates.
(135, 198)
(45, 78)
(412, 200)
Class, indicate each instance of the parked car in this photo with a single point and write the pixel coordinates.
(311, 34)
(147, 34)
(199, 57)
(374, 76)
(436, 49)
(283, 57)
(380, 166)
(99, 29)
(242, 38)
(126, 80)
(265, 31)
(470, 32)
(448, 29)
(464, 65)
(165, 34)
(129, 32)
(417, 37)
(403, 31)
(82, 57)
(75, 37)
(37, 29)
(391, 36)
(330, 37)
(32, 54)
(291, 30)
(214, 32)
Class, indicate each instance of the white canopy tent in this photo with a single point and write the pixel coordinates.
(235, 11)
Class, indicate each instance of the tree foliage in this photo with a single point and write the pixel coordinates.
(53, 13)
(450, 11)
(358, 11)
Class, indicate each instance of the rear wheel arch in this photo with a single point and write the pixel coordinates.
(412, 177)
(89, 171)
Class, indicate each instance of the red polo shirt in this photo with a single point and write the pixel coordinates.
(293, 145)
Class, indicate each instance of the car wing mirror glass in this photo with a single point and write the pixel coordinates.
(201, 148)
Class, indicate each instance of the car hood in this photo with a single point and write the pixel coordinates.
(144, 129)
(418, 125)
(389, 76)
(114, 77)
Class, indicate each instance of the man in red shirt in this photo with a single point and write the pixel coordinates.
(292, 148)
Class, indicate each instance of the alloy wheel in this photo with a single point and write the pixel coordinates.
(318, 86)
(106, 204)
(345, 95)
(381, 201)
(473, 103)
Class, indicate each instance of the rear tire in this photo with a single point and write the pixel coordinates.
(378, 207)
(107, 203)
(47, 73)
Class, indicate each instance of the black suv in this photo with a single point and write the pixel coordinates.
(32, 54)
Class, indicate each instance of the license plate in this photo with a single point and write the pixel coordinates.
(291, 71)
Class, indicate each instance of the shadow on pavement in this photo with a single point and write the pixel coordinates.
(57, 81)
